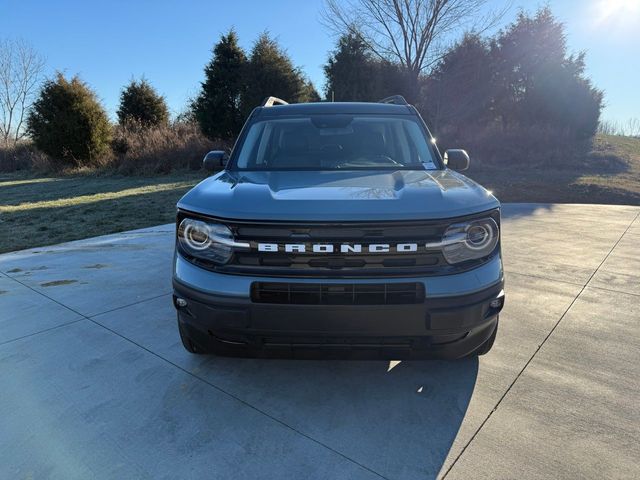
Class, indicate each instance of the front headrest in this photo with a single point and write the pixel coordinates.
(373, 142)
(294, 142)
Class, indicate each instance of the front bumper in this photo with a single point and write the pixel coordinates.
(455, 318)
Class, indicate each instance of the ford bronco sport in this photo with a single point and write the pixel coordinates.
(338, 227)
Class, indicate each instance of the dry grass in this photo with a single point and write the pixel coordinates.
(134, 186)
(609, 173)
(159, 149)
(135, 151)
(23, 157)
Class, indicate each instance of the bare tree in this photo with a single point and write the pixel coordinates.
(409, 32)
(21, 69)
(630, 128)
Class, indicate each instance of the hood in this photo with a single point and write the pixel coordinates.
(338, 195)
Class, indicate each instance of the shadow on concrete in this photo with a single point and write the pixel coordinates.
(513, 211)
(397, 418)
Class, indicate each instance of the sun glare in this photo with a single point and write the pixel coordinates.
(618, 10)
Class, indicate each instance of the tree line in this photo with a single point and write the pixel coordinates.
(236, 83)
(503, 96)
(497, 95)
(67, 121)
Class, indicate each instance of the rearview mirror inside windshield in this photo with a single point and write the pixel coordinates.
(331, 121)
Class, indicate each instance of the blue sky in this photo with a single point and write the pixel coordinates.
(169, 42)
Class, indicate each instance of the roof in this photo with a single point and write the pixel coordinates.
(334, 108)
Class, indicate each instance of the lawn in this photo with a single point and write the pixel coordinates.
(37, 211)
(610, 174)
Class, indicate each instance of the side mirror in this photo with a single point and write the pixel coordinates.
(456, 159)
(214, 160)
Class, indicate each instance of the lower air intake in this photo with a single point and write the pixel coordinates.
(337, 294)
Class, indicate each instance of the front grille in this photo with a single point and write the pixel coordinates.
(337, 294)
(337, 264)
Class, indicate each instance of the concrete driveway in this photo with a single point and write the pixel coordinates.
(95, 384)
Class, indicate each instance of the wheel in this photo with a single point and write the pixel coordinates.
(486, 346)
(187, 343)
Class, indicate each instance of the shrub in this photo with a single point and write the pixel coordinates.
(135, 150)
(68, 123)
(538, 146)
(139, 102)
(519, 97)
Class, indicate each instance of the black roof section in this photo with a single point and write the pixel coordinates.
(334, 108)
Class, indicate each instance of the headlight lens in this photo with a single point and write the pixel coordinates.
(202, 240)
(470, 240)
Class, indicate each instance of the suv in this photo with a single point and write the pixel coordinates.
(338, 227)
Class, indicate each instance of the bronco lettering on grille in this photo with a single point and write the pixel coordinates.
(338, 248)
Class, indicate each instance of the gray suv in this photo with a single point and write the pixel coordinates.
(338, 229)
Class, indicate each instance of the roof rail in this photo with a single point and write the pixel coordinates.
(394, 100)
(271, 101)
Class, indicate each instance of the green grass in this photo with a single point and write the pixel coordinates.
(37, 211)
(609, 174)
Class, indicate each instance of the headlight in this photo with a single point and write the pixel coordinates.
(470, 240)
(207, 241)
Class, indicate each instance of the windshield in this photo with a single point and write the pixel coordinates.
(331, 142)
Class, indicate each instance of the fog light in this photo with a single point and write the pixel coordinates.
(498, 301)
(181, 302)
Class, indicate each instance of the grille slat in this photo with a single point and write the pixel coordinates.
(337, 294)
(345, 233)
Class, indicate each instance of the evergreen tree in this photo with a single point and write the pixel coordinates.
(217, 107)
(539, 82)
(501, 96)
(309, 93)
(140, 103)
(270, 72)
(460, 89)
(68, 123)
(354, 74)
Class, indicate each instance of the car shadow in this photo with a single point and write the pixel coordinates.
(398, 419)
(513, 211)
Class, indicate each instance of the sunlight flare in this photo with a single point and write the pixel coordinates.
(617, 11)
